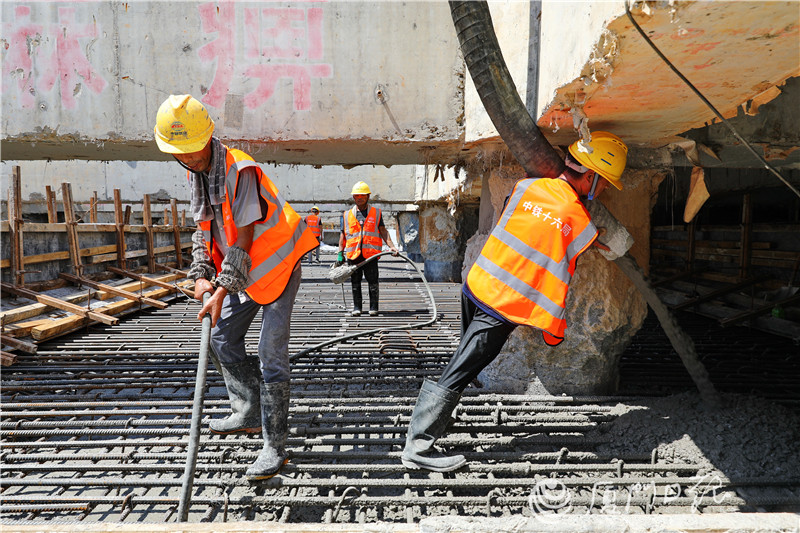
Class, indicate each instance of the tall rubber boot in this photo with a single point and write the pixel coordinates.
(275, 428)
(242, 381)
(429, 421)
(374, 293)
(356, 300)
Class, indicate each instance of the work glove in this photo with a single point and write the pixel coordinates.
(339, 259)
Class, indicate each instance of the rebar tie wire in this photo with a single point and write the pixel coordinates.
(725, 121)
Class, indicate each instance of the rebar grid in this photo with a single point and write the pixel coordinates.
(94, 428)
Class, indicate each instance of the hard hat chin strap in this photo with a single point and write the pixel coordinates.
(594, 186)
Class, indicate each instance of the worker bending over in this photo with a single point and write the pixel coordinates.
(314, 224)
(520, 278)
(362, 236)
(246, 253)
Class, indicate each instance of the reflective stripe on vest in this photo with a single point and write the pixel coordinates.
(525, 267)
(365, 240)
(279, 241)
(313, 224)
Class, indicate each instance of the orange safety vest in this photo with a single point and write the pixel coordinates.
(526, 265)
(280, 240)
(366, 240)
(313, 224)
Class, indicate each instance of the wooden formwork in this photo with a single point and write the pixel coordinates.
(93, 283)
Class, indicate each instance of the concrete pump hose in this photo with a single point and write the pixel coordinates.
(350, 269)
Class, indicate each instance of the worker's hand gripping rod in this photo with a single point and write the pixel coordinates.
(197, 414)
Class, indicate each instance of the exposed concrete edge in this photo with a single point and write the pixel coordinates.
(583, 523)
(577, 523)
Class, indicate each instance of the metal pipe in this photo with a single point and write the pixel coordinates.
(197, 414)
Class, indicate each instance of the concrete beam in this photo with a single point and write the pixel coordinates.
(298, 82)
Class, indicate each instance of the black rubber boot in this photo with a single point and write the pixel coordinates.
(429, 421)
(356, 300)
(242, 381)
(275, 428)
(374, 293)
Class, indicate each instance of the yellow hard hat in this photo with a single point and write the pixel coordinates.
(315, 208)
(606, 154)
(360, 188)
(182, 125)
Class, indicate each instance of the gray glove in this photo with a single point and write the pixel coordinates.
(202, 267)
(235, 267)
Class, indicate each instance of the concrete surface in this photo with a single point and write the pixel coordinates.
(299, 82)
(689, 523)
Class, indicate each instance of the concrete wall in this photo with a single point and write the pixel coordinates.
(85, 79)
(303, 186)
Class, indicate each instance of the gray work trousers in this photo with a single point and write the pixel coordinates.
(227, 337)
(310, 255)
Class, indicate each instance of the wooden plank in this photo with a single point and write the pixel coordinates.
(7, 359)
(113, 290)
(72, 233)
(15, 225)
(728, 256)
(52, 211)
(58, 256)
(165, 268)
(139, 285)
(134, 253)
(144, 279)
(176, 232)
(759, 310)
(761, 245)
(717, 293)
(35, 309)
(147, 222)
(71, 323)
(84, 227)
(678, 276)
(17, 344)
(121, 260)
(747, 237)
(93, 208)
(21, 329)
(691, 245)
(58, 304)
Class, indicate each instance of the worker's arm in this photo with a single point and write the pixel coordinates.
(233, 277)
(202, 269)
(597, 243)
(386, 237)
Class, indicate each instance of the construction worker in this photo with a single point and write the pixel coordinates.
(314, 224)
(246, 253)
(362, 236)
(520, 278)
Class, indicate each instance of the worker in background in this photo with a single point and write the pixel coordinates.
(362, 236)
(520, 278)
(314, 224)
(246, 253)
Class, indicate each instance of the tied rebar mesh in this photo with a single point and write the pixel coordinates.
(95, 427)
